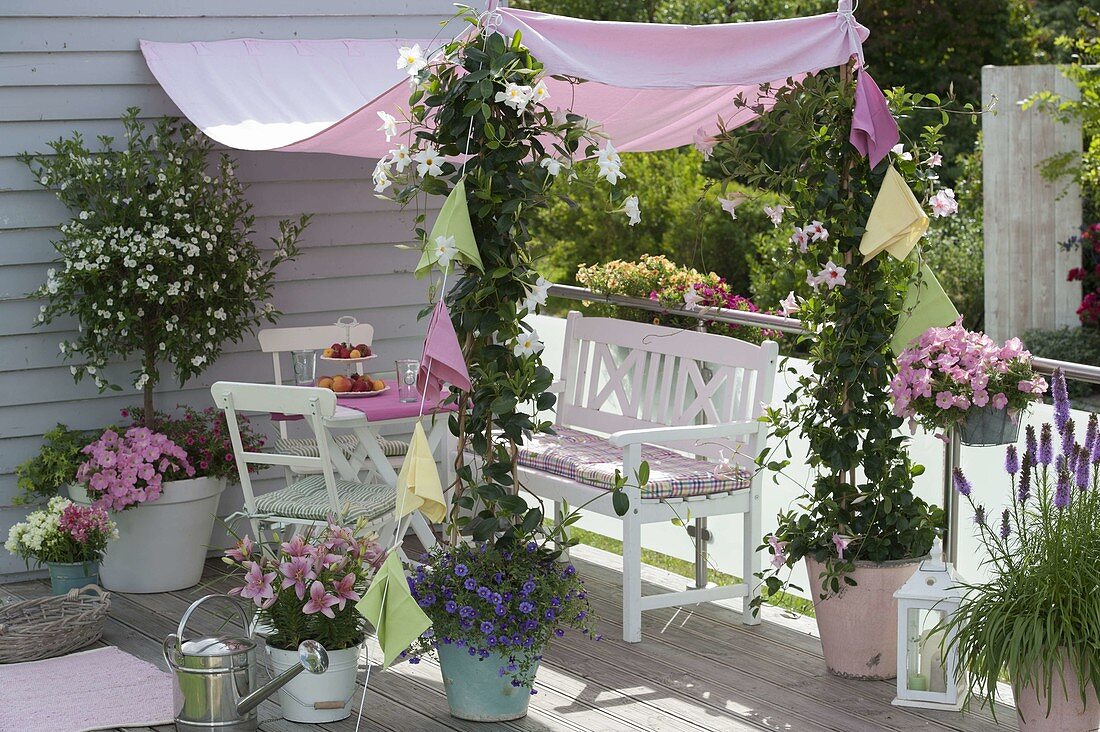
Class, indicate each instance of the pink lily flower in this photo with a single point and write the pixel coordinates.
(296, 573)
(242, 551)
(257, 586)
(296, 547)
(320, 601)
(345, 589)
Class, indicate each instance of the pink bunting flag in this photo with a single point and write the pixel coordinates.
(442, 360)
(874, 129)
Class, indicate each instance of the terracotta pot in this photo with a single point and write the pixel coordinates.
(859, 625)
(1068, 713)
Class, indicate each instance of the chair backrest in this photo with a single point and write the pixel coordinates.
(314, 405)
(622, 375)
(277, 341)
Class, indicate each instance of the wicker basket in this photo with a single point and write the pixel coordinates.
(52, 626)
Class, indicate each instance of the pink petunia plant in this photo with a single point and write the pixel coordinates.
(130, 469)
(305, 587)
(950, 372)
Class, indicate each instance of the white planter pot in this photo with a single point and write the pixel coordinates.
(326, 697)
(162, 545)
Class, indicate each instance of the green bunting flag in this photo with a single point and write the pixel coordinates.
(926, 306)
(390, 608)
(452, 235)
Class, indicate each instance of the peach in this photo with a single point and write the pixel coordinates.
(325, 382)
(355, 353)
(378, 385)
(341, 384)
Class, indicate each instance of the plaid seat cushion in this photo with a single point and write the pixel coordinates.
(307, 447)
(592, 460)
(307, 499)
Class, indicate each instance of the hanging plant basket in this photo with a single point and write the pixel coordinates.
(987, 427)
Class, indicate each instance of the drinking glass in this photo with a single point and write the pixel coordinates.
(305, 367)
(407, 369)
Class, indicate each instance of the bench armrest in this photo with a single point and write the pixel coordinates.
(686, 432)
(558, 387)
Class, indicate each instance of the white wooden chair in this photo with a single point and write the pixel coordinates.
(312, 498)
(278, 341)
(686, 402)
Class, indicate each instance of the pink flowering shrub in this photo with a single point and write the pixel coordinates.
(205, 436)
(950, 371)
(130, 469)
(306, 587)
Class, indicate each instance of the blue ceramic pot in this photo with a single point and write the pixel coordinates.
(65, 576)
(476, 690)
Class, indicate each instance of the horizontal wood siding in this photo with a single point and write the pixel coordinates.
(76, 66)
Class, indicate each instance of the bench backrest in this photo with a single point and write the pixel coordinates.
(622, 375)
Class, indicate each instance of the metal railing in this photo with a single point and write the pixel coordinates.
(1087, 373)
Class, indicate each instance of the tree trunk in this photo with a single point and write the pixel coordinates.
(148, 406)
(148, 363)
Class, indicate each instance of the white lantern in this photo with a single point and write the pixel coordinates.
(926, 667)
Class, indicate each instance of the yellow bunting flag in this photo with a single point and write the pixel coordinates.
(390, 608)
(926, 306)
(418, 484)
(897, 220)
(452, 229)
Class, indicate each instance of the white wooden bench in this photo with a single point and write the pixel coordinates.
(686, 402)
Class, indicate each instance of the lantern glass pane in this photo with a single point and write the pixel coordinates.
(926, 670)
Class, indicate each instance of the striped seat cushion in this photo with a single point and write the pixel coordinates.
(307, 499)
(592, 460)
(347, 442)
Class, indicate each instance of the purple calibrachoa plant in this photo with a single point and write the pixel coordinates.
(1040, 602)
(504, 607)
(950, 371)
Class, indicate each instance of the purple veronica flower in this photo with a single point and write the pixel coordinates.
(1069, 438)
(1091, 432)
(1012, 460)
(1095, 459)
(962, 485)
(1005, 528)
(1046, 446)
(1081, 474)
(1032, 444)
(1062, 495)
(1061, 401)
(1024, 488)
(979, 514)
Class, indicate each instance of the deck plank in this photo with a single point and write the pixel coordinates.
(697, 668)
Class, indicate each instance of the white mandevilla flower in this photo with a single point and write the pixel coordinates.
(632, 211)
(704, 143)
(801, 239)
(553, 165)
(789, 305)
(832, 275)
(444, 250)
(540, 93)
(381, 176)
(900, 151)
(389, 125)
(944, 203)
(610, 164)
(537, 294)
(411, 59)
(817, 231)
(692, 298)
(527, 344)
(515, 96)
(934, 160)
(401, 158)
(775, 213)
(428, 162)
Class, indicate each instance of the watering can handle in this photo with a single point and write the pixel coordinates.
(195, 605)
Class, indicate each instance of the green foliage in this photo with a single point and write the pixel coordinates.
(54, 467)
(1075, 345)
(1040, 605)
(862, 490)
(158, 260)
(681, 219)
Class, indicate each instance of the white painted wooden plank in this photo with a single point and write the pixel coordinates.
(170, 9)
(121, 34)
(74, 69)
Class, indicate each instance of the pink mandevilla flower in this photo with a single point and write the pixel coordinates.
(841, 543)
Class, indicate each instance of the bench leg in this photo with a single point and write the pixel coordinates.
(752, 558)
(700, 553)
(632, 577)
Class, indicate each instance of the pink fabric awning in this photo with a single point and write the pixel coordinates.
(650, 86)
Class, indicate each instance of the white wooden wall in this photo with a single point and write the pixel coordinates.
(68, 66)
(1025, 215)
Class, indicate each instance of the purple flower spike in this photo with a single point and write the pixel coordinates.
(1061, 401)
(1023, 490)
(1032, 444)
(1091, 432)
(1046, 446)
(1069, 438)
(979, 515)
(1006, 529)
(1062, 495)
(962, 485)
(1081, 474)
(1012, 460)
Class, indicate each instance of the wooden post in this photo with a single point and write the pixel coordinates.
(1026, 216)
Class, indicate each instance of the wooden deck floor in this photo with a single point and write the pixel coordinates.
(696, 669)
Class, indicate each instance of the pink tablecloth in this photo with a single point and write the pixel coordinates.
(386, 406)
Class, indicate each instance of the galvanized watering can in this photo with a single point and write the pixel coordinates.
(215, 689)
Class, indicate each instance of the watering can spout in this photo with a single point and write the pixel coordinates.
(312, 657)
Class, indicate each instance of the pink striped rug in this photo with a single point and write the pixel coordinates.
(96, 689)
